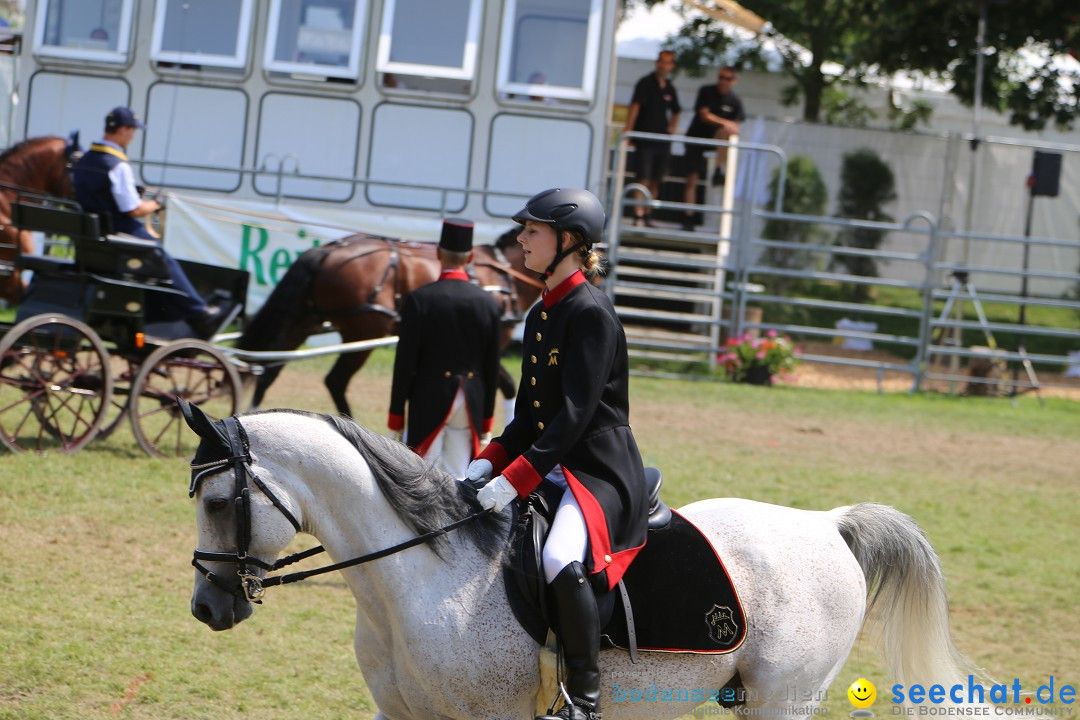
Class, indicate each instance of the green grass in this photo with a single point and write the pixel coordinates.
(95, 577)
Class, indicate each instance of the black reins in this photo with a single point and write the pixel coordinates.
(251, 586)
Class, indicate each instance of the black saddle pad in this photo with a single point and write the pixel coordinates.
(681, 596)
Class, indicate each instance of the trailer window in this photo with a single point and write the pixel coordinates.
(419, 157)
(186, 145)
(96, 30)
(298, 165)
(202, 33)
(319, 38)
(550, 49)
(420, 41)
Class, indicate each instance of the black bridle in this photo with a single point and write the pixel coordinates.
(251, 587)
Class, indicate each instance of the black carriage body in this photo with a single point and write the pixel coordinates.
(112, 279)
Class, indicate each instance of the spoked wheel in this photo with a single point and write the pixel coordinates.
(55, 385)
(188, 369)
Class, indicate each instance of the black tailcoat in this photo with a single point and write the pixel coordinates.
(449, 337)
(573, 410)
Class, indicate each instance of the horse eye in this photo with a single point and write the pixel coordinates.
(217, 504)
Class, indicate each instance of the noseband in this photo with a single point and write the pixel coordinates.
(251, 587)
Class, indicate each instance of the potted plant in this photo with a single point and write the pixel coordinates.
(758, 360)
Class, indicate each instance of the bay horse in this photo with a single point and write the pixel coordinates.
(357, 284)
(435, 636)
(39, 166)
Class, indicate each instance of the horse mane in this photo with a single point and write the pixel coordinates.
(425, 497)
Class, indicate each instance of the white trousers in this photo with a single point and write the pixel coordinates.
(451, 450)
(568, 538)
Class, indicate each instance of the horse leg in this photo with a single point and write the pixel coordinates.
(263, 383)
(337, 380)
(291, 339)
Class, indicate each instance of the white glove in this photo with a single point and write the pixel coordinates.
(496, 495)
(479, 470)
(396, 435)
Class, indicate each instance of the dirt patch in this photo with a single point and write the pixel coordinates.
(850, 377)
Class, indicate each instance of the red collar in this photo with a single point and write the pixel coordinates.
(453, 275)
(554, 295)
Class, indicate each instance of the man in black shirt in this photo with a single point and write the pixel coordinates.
(654, 108)
(717, 114)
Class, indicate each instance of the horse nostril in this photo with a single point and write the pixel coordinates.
(202, 612)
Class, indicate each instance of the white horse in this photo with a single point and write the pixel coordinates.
(435, 637)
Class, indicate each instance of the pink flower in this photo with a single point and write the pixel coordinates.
(771, 333)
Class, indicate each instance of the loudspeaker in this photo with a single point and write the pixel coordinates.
(1046, 173)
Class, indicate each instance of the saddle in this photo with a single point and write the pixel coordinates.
(637, 614)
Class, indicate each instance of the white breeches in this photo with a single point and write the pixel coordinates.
(452, 449)
(568, 538)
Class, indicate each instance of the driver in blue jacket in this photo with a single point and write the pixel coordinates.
(104, 183)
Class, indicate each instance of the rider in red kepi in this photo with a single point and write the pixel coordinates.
(446, 366)
(570, 437)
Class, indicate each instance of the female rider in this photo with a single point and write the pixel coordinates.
(571, 432)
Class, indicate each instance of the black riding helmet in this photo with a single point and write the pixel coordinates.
(565, 209)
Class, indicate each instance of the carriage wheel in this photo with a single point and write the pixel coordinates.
(188, 369)
(55, 384)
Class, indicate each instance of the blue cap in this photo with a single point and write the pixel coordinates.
(120, 117)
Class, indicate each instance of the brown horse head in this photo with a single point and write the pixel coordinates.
(40, 166)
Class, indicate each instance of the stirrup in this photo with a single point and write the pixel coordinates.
(570, 710)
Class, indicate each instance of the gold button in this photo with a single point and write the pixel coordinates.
(447, 373)
(536, 403)
(539, 336)
(532, 381)
(470, 376)
(607, 558)
(532, 359)
(543, 315)
(540, 425)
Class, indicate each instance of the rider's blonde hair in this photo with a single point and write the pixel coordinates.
(592, 262)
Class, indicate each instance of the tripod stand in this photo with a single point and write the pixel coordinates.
(963, 289)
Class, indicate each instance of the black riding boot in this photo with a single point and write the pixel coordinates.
(579, 632)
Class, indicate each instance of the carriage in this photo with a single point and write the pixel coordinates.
(81, 357)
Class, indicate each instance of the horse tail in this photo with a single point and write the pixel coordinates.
(287, 305)
(907, 595)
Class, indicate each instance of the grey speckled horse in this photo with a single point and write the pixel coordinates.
(435, 637)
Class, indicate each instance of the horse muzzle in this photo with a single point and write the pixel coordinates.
(218, 609)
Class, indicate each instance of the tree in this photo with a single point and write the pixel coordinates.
(866, 186)
(1028, 74)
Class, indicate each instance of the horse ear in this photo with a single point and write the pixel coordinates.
(202, 425)
(73, 142)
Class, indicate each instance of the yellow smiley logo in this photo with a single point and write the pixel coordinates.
(862, 693)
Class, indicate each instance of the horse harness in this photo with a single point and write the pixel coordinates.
(391, 273)
(251, 587)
